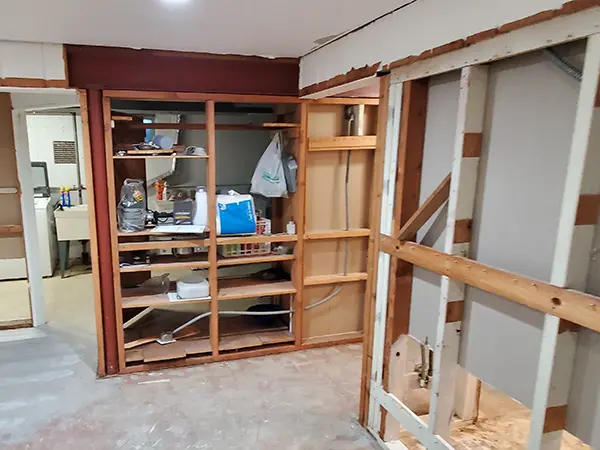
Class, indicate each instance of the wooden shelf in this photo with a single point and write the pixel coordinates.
(160, 157)
(169, 262)
(157, 245)
(257, 239)
(10, 229)
(221, 126)
(342, 143)
(144, 301)
(318, 280)
(338, 234)
(235, 261)
(238, 288)
(254, 339)
(149, 232)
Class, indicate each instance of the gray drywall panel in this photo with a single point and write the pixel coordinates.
(583, 413)
(528, 128)
(437, 163)
(237, 151)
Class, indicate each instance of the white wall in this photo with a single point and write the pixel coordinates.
(420, 26)
(31, 60)
(42, 131)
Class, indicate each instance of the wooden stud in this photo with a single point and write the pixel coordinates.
(338, 234)
(112, 208)
(577, 307)
(382, 268)
(408, 189)
(571, 262)
(429, 207)
(102, 233)
(342, 143)
(89, 178)
(299, 209)
(199, 97)
(211, 181)
(588, 208)
(461, 203)
(373, 250)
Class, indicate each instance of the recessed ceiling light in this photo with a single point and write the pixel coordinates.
(174, 2)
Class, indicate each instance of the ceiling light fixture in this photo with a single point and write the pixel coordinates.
(174, 2)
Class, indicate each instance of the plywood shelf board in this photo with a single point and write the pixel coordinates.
(156, 245)
(317, 280)
(160, 157)
(168, 262)
(144, 301)
(257, 239)
(342, 143)
(338, 234)
(223, 262)
(149, 232)
(218, 126)
(238, 288)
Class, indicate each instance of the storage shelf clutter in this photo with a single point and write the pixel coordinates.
(207, 270)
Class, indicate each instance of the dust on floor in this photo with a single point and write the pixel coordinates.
(50, 399)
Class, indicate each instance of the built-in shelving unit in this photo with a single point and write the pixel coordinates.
(305, 265)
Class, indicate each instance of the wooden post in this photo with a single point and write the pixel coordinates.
(465, 165)
(94, 252)
(578, 217)
(383, 259)
(113, 229)
(211, 181)
(407, 194)
(101, 213)
(299, 208)
(373, 251)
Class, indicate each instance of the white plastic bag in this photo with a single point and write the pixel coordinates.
(269, 179)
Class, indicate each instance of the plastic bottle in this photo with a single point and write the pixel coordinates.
(68, 197)
(201, 214)
(290, 227)
(62, 197)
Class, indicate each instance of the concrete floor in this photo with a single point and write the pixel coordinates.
(50, 399)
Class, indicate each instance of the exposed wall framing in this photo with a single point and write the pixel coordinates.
(563, 300)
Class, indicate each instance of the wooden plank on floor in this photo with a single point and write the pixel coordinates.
(158, 352)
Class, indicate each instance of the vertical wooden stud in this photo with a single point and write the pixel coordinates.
(373, 250)
(211, 178)
(100, 188)
(383, 259)
(571, 259)
(89, 179)
(465, 165)
(114, 240)
(299, 208)
(408, 189)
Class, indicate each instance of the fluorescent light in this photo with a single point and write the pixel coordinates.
(174, 2)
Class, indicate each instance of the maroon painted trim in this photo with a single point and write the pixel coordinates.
(101, 212)
(92, 67)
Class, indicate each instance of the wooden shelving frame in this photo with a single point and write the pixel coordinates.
(217, 345)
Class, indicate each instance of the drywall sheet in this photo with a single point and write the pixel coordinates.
(421, 25)
(442, 107)
(527, 135)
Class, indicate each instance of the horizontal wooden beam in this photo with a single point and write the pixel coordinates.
(342, 143)
(577, 307)
(338, 234)
(219, 126)
(437, 198)
(317, 280)
(11, 229)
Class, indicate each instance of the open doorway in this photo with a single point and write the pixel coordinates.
(48, 278)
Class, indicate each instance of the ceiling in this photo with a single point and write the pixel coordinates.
(250, 27)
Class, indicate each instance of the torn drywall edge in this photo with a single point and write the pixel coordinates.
(368, 43)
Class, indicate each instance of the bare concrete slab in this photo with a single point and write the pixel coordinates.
(50, 399)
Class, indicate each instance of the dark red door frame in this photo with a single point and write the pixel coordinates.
(101, 212)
